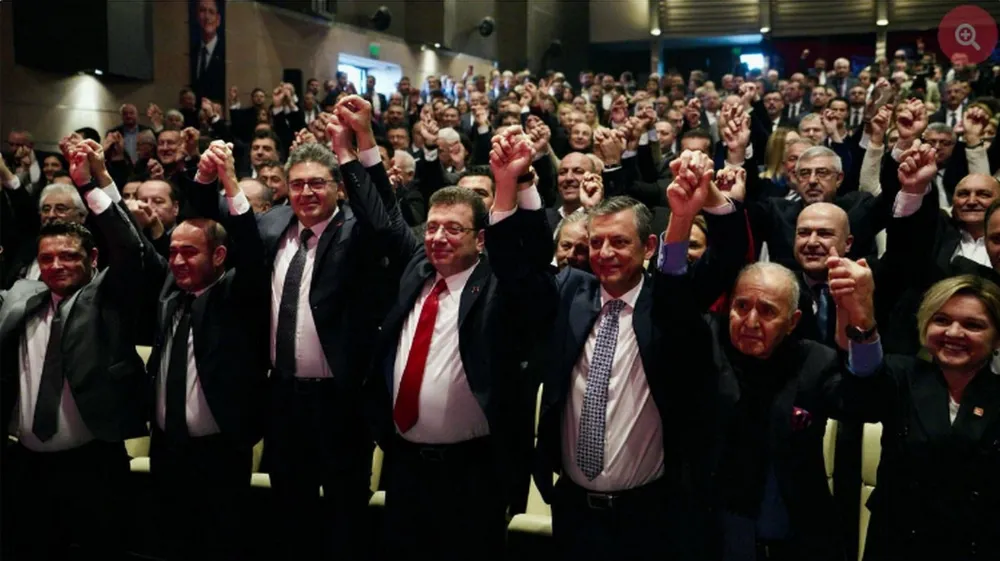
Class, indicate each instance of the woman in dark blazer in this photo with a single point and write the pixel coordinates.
(938, 490)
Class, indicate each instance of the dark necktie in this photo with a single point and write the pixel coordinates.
(203, 66)
(822, 310)
(176, 414)
(46, 420)
(951, 119)
(288, 310)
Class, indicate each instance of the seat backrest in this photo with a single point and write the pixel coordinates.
(871, 453)
(137, 447)
(829, 449)
(258, 453)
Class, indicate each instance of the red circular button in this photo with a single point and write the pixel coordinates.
(967, 35)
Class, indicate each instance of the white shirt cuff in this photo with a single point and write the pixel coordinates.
(723, 209)
(199, 178)
(14, 183)
(734, 165)
(896, 152)
(525, 110)
(497, 216)
(865, 140)
(529, 199)
(370, 157)
(644, 139)
(651, 135)
(749, 153)
(483, 129)
(628, 154)
(215, 119)
(907, 203)
(277, 110)
(112, 192)
(234, 106)
(98, 201)
(239, 204)
(430, 155)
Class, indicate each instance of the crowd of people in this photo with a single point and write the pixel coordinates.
(697, 274)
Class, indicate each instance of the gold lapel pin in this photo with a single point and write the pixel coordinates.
(978, 411)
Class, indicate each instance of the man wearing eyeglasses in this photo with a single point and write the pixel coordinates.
(446, 391)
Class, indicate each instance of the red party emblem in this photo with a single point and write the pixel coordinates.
(967, 35)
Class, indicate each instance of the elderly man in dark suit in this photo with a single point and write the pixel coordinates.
(72, 383)
(758, 406)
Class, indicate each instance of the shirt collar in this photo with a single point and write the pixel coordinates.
(456, 283)
(318, 229)
(210, 46)
(629, 297)
(967, 238)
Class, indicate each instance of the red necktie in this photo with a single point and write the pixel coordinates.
(407, 408)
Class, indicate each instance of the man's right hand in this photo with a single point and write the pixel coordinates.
(974, 121)
(79, 164)
(917, 168)
(879, 125)
(687, 193)
(155, 169)
(341, 138)
(911, 120)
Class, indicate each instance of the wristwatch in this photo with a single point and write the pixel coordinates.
(858, 335)
(527, 177)
(87, 187)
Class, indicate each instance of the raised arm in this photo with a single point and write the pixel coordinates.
(372, 197)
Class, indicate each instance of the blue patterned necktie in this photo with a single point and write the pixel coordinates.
(590, 442)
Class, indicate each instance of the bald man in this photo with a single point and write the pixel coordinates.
(821, 230)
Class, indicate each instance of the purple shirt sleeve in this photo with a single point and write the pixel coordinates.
(864, 358)
(673, 257)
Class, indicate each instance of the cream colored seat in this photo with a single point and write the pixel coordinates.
(537, 518)
(871, 453)
(138, 448)
(378, 497)
(829, 450)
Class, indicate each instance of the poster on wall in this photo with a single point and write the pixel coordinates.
(208, 48)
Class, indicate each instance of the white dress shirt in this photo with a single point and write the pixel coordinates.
(973, 249)
(200, 421)
(72, 432)
(448, 411)
(633, 437)
(795, 109)
(953, 117)
(310, 362)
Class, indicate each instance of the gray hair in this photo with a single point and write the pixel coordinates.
(404, 161)
(614, 205)
(145, 135)
(265, 192)
(941, 128)
(572, 218)
(820, 152)
(808, 117)
(791, 282)
(174, 113)
(448, 134)
(60, 188)
(314, 152)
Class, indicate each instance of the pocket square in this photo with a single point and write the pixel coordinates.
(801, 419)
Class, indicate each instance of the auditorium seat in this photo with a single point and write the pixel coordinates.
(138, 448)
(529, 534)
(829, 450)
(871, 452)
(378, 497)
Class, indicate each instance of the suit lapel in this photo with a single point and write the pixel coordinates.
(409, 292)
(980, 406)
(930, 399)
(473, 290)
(583, 312)
(332, 231)
(642, 324)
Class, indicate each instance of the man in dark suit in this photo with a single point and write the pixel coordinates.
(208, 53)
(73, 385)
(129, 130)
(447, 409)
(761, 402)
(328, 298)
(615, 451)
(795, 104)
(953, 108)
(209, 366)
(841, 81)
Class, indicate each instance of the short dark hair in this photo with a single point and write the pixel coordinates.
(703, 134)
(60, 173)
(459, 196)
(838, 98)
(614, 205)
(480, 171)
(397, 127)
(185, 90)
(71, 229)
(175, 193)
(267, 133)
(255, 90)
(272, 164)
(89, 133)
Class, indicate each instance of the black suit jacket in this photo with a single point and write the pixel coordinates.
(937, 496)
(104, 372)
(712, 371)
(229, 323)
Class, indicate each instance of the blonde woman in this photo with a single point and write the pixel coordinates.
(938, 494)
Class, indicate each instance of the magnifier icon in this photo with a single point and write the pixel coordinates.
(965, 35)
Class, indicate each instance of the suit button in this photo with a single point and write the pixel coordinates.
(903, 432)
(975, 495)
(972, 548)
